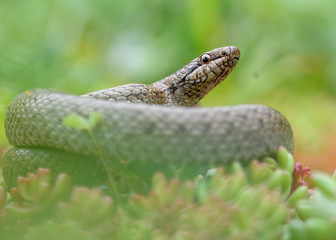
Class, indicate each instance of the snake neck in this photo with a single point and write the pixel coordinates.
(187, 86)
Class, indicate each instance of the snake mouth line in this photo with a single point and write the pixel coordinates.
(236, 58)
(224, 75)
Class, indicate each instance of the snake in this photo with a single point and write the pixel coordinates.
(160, 124)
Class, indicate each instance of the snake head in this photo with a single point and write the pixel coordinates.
(201, 75)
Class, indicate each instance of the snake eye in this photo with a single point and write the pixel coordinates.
(205, 58)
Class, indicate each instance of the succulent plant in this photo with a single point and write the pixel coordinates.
(265, 200)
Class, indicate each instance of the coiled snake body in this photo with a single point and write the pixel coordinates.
(162, 128)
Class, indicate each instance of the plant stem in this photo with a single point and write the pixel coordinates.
(107, 169)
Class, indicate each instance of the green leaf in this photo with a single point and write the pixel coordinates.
(79, 122)
(76, 121)
(94, 119)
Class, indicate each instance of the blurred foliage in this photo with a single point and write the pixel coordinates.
(236, 204)
(264, 200)
(287, 51)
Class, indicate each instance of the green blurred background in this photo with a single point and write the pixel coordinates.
(287, 54)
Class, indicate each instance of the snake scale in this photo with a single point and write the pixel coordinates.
(159, 123)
